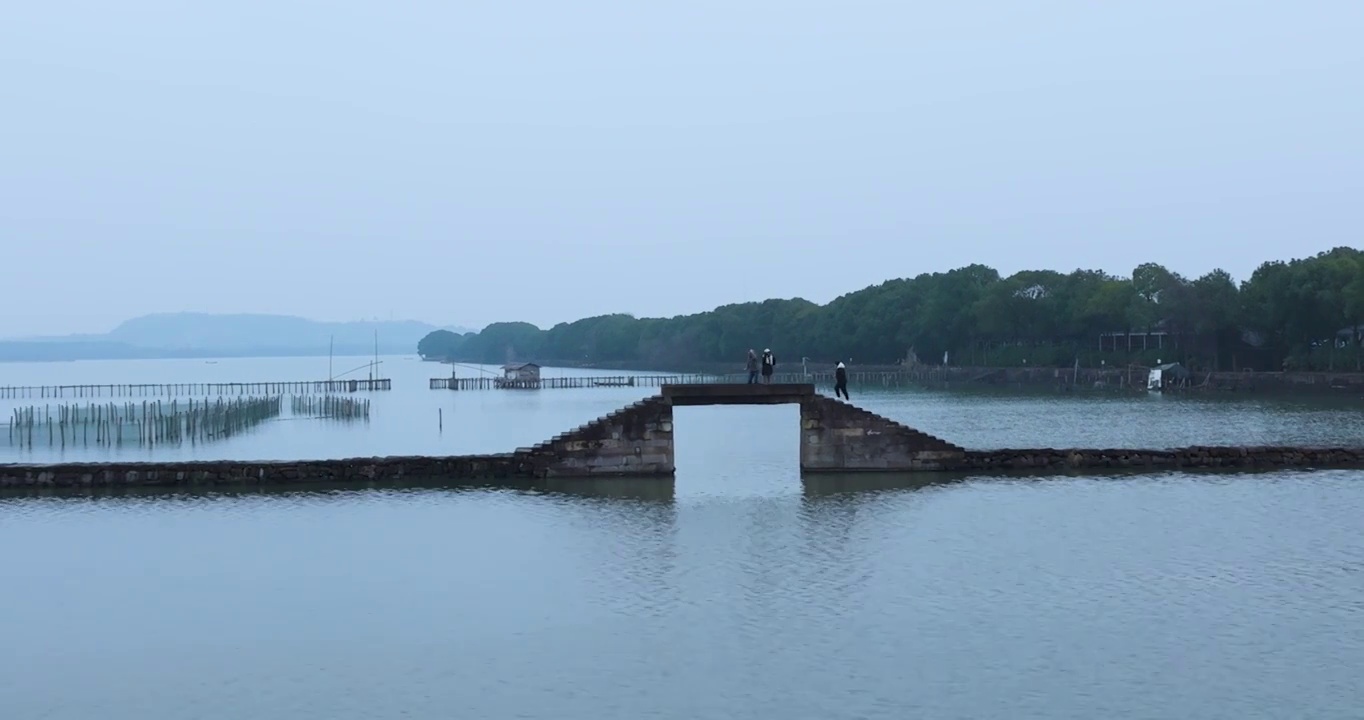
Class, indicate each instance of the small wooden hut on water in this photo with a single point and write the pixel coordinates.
(520, 375)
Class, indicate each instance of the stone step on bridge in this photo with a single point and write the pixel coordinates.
(835, 436)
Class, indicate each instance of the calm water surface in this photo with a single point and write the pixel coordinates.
(737, 591)
(413, 420)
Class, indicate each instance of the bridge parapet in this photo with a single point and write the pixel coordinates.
(738, 394)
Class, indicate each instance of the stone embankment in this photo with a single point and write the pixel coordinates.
(1189, 458)
(241, 474)
(637, 441)
(634, 440)
(838, 436)
(523, 466)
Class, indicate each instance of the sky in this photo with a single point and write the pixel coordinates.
(465, 163)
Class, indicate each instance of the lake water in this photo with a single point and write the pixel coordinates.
(414, 420)
(739, 590)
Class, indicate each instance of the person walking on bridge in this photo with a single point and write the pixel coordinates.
(752, 367)
(841, 381)
(769, 364)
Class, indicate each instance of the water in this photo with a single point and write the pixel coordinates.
(408, 420)
(737, 591)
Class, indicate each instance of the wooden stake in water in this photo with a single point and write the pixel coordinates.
(156, 422)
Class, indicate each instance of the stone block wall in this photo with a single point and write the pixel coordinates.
(633, 441)
(838, 437)
(637, 441)
(237, 473)
(1187, 458)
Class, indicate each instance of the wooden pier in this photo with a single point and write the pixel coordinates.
(488, 382)
(194, 389)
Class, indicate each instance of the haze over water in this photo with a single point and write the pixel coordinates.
(363, 159)
(738, 590)
(408, 420)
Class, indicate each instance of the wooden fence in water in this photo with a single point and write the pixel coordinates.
(194, 389)
(568, 383)
(150, 424)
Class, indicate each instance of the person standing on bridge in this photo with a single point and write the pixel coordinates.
(841, 381)
(752, 367)
(769, 364)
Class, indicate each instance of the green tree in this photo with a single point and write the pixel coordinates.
(440, 344)
(1287, 313)
(1215, 312)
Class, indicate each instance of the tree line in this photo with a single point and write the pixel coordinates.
(1300, 314)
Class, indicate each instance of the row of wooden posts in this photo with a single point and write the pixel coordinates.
(193, 389)
(484, 382)
(330, 406)
(152, 423)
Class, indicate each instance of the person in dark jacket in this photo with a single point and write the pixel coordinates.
(752, 367)
(841, 381)
(769, 363)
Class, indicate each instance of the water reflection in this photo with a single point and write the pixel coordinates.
(822, 484)
(654, 489)
(773, 595)
(833, 563)
(621, 536)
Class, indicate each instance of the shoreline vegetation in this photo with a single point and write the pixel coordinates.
(1131, 378)
(1292, 324)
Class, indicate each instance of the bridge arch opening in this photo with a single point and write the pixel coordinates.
(725, 445)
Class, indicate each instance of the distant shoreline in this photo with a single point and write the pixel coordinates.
(682, 368)
(192, 335)
(8, 356)
(1103, 378)
(1068, 378)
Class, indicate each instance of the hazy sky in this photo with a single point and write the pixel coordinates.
(471, 162)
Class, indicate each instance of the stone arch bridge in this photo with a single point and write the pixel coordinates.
(637, 440)
(835, 436)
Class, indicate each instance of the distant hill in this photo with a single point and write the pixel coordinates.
(169, 335)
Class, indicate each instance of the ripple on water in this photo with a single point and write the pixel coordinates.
(1171, 595)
